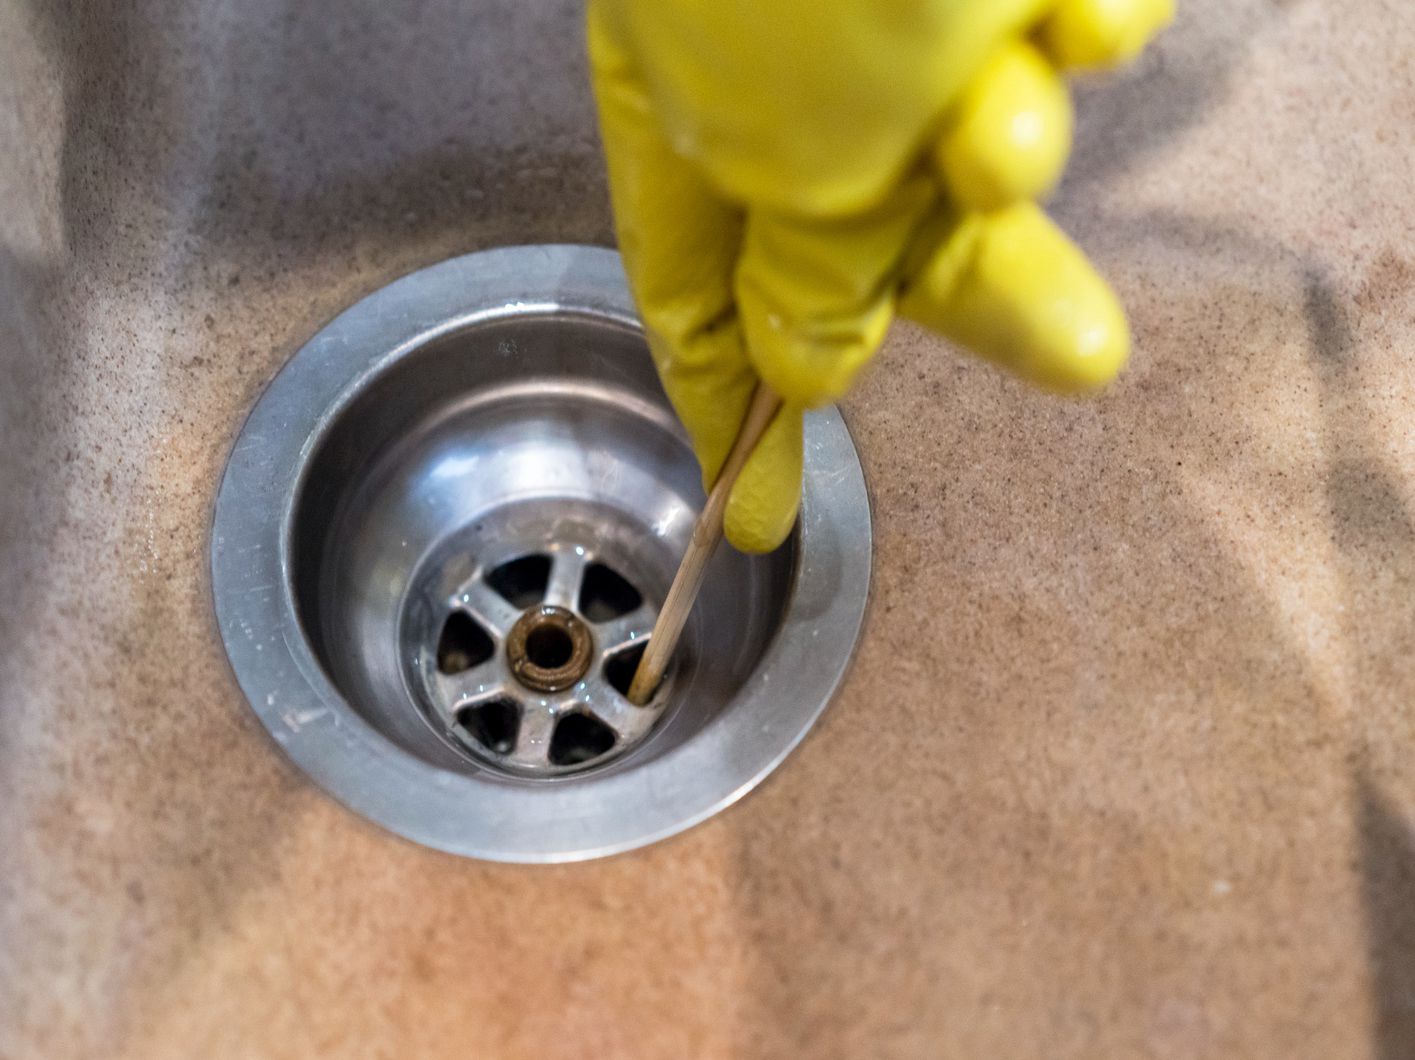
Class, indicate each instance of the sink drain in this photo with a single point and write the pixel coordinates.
(530, 668)
(440, 545)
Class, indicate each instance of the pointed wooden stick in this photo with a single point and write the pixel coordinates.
(707, 532)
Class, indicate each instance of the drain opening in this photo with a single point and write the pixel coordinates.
(462, 644)
(549, 647)
(619, 668)
(522, 581)
(579, 738)
(494, 724)
(606, 594)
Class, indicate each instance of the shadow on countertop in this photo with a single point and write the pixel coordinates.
(1387, 853)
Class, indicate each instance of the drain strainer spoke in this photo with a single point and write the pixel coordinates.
(442, 540)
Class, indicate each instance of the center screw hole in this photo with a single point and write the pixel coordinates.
(549, 647)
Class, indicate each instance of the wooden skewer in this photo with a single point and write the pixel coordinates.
(707, 532)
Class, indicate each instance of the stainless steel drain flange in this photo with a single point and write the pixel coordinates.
(440, 544)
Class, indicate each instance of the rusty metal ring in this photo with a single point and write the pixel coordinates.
(549, 648)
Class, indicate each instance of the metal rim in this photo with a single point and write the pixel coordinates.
(483, 816)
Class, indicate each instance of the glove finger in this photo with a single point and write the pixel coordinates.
(762, 506)
(679, 242)
(1098, 34)
(815, 295)
(1009, 134)
(710, 384)
(1012, 288)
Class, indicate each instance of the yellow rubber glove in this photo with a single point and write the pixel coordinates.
(787, 174)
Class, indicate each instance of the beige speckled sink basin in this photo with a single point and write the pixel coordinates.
(1123, 766)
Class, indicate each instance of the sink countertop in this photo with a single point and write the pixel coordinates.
(1122, 766)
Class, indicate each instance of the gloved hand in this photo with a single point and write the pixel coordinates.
(787, 174)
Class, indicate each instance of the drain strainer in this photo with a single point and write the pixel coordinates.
(440, 545)
(527, 663)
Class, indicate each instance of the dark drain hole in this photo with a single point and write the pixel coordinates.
(494, 725)
(522, 581)
(463, 644)
(579, 738)
(619, 668)
(605, 594)
(549, 647)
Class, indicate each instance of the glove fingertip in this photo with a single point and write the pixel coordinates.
(1011, 133)
(1097, 34)
(1013, 288)
(762, 507)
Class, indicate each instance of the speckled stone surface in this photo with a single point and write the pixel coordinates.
(1124, 766)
